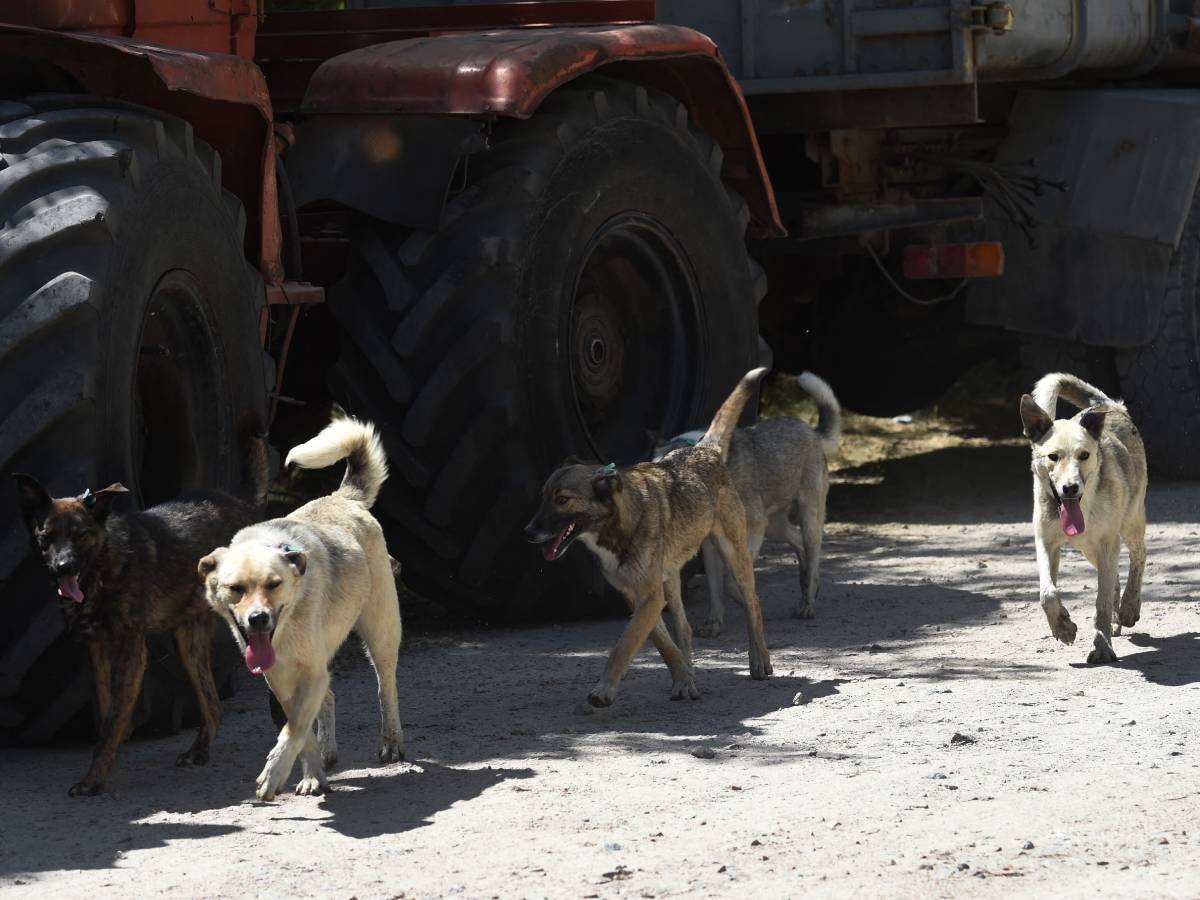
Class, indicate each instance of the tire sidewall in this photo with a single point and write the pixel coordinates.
(642, 166)
(175, 224)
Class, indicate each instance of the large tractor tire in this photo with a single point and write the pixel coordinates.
(128, 352)
(589, 284)
(1161, 380)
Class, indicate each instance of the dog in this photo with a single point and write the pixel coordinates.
(781, 471)
(292, 589)
(122, 577)
(643, 523)
(1089, 491)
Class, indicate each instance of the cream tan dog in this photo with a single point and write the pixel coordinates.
(1089, 491)
(292, 589)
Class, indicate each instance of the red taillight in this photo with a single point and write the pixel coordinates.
(983, 259)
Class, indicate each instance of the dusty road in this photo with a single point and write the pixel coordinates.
(837, 777)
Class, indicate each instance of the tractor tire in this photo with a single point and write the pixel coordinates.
(589, 285)
(128, 352)
(1161, 380)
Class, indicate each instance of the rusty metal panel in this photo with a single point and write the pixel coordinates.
(510, 73)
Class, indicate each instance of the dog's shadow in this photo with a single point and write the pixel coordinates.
(1171, 661)
(394, 802)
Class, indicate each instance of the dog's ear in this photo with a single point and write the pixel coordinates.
(573, 460)
(208, 564)
(606, 482)
(1035, 420)
(297, 559)
(35, 502)
(1093, 421)
(100, 502)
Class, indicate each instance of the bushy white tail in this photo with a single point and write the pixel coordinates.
(829, 411)
(357, 443)
(1074, 390)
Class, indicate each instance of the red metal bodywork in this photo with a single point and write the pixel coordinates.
(509, 74)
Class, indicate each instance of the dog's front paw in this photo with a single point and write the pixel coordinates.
(602, 695)
(1062, 627)
(760, 667)
(685, 689)
(392, 751)
(311, 786)
(193, 757)
(86, 789)
(711, 628)
(1102, 651)
(268, 783)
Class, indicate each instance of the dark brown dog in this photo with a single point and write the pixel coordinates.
(122, 577)
(643, 523)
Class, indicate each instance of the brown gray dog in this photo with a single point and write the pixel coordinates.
(1089, 491)
(643, 523)
(781, 472)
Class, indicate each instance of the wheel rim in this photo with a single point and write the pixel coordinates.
(177, 394)
(635, 344)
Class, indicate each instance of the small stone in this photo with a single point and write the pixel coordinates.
(583, 709)
(938, 776)
(1163, 841)
(1028, 845)
(704, 753)
(962, 867)
(960, 738)
(756, 843)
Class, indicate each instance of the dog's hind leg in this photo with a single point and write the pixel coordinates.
(646, 616)
(379, 627)
(327, 731)
(129, 667)
(194, 641)
(714, 577)
(1130, 609)
(683, 628)
(1107, 562)
(809, 532)
(730, 532)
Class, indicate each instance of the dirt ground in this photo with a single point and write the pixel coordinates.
(840, 776)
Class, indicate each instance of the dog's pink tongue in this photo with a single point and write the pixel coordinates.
(1070, 516)
(260, 655)
(68, 587)
(550, 548)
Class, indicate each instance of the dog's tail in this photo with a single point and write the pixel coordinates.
(720, 431)
(1074, 390)
(358, 444)
(829, 411)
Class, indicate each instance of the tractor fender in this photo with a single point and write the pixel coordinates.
(509, 73)
(1121, 168)
(223, 97)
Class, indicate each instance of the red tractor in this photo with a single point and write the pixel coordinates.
(504, 233)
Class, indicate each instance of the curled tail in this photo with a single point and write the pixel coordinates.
(829, 411)
(358, 444)
(1074, 390)
(720, 431)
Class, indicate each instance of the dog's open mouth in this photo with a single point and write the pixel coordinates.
(1070, 516)
(557, 546)
(68, 588)
(260, 655)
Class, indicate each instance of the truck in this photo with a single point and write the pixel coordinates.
(509, 232)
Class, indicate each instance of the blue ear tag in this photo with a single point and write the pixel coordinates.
(88, 499)
(288, 548)
(608, 471)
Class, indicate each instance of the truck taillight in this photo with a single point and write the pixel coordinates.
(982, 259)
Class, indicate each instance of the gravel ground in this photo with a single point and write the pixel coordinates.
(924, 735)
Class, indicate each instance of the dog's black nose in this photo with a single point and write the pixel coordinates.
(259, 621)
(64, 567)
(1070, 490)
(532, 531)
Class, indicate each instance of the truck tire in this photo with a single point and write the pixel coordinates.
(128, 352)
(589, 284)
(1161, 380)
